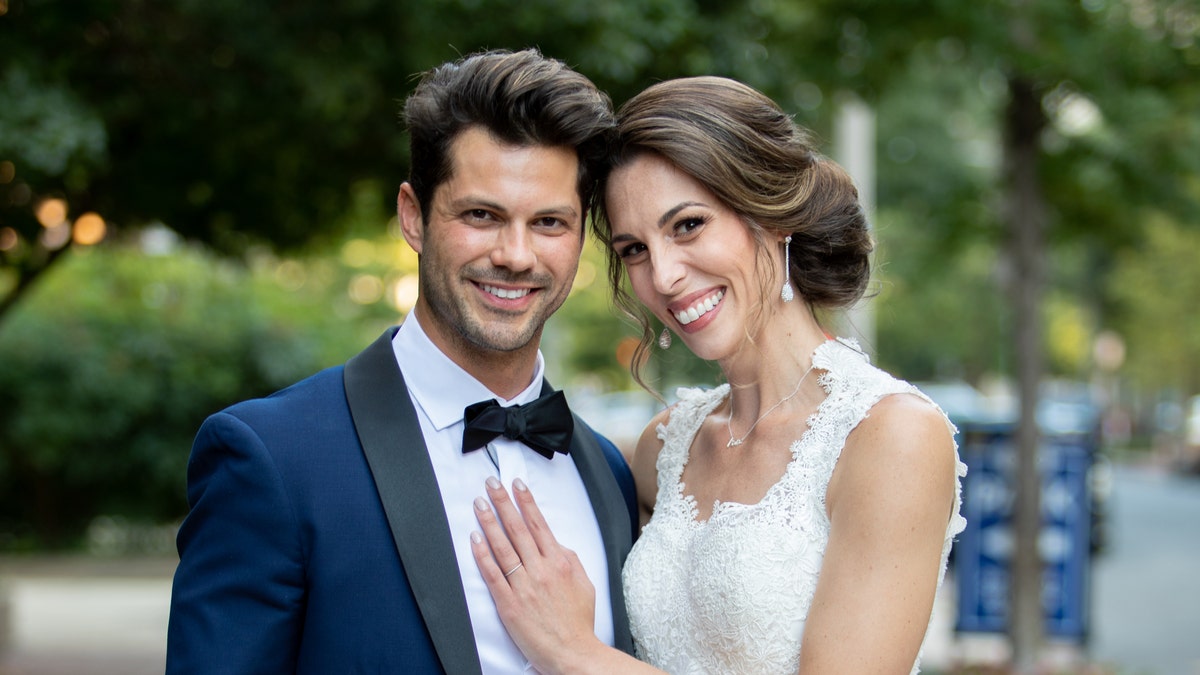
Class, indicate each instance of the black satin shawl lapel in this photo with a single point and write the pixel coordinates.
(611, 515)
(395, 449)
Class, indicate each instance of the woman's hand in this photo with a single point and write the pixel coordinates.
(542, 592)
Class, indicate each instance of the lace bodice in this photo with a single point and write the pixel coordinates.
(730, 594)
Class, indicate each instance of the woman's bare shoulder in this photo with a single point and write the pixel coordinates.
(905, 444)
(645, 462)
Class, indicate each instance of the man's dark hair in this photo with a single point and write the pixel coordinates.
(521, 98)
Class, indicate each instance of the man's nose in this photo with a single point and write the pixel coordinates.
(514, 248)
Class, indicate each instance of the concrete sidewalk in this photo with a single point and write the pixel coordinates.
(66, 615)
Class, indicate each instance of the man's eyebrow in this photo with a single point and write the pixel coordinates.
(472, 202)
(565, 210)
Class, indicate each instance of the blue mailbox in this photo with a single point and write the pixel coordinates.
(984, 550)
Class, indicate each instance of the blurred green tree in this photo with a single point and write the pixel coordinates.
(107, 370)
(238, 125)
(1157, 287)
(234, 123)
(109, 366)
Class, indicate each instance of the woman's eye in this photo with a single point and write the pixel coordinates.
(688, 225)
(630, 250)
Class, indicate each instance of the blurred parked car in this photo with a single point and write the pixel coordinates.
(1190, 460)
(1068, 408)
(962, 403)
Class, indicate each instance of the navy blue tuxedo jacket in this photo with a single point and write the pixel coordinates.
(317, 541)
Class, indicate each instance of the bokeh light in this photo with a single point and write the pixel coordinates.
(1108, 351)
(404, 293)
(400, 255)
(55, 237)
(8, 239)
(90, 229)
(626, 348)
(358, 253)
(291, 275)
(51, 212)
(365, 289)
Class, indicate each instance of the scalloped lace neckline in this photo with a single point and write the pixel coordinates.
(821, 362)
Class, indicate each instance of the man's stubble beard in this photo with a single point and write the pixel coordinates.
(469, 330)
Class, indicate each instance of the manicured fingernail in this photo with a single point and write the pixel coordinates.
(481, 504)
(493, 483)
(477, 538)
(519, 484)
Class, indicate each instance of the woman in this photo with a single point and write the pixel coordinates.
(796, 519)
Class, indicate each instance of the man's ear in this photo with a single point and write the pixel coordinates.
(408, 210)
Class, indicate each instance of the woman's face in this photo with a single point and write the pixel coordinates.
(690, 259)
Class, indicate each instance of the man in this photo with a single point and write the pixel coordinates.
(330, 523)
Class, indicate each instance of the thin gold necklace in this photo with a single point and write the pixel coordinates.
(728, 421)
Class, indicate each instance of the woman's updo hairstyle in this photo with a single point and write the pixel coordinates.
(745, 150)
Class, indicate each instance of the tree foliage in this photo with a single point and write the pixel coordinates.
(250, 125)
(110, 366)
(1155, 290)
(1121, 142)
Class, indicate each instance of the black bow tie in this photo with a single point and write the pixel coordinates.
(544, 424)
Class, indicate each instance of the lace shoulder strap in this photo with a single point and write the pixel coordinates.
(853, 386)
(686, 416)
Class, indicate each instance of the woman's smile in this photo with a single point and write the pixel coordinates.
(699, 309)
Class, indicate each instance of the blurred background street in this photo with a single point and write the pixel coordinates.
(74, 615)
(1146, 586)
(197, 207)
(108, 616)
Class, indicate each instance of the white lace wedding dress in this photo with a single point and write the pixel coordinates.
(730, 594)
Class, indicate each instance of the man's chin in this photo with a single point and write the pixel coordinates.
(503, 341)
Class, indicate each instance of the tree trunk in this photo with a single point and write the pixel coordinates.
(27, 273)
(1025, 215)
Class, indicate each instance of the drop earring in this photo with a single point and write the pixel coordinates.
(787, 293)
(664, 339)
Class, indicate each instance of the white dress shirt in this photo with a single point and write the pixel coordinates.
(440, 391)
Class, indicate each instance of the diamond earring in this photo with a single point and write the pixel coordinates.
(787, 293)
(664, 339)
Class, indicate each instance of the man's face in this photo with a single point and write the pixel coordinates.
(501, 247)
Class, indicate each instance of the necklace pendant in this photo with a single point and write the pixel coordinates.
(734, 441)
